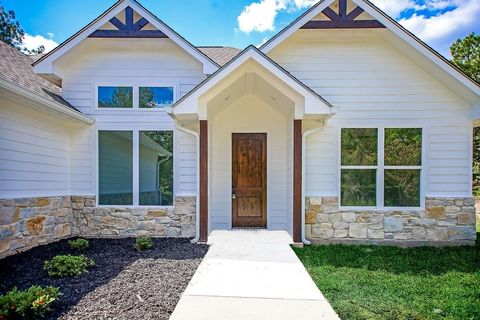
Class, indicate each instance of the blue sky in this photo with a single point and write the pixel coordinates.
(241, 22)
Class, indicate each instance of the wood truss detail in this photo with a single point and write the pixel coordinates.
(342, 20)
(129, 29)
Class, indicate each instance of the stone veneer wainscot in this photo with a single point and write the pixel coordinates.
(444, 221)
(26, 223)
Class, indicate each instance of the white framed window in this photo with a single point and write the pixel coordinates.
(381, 168)
(139, 97)
(135, 168)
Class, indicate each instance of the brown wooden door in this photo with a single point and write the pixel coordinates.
(249, 180)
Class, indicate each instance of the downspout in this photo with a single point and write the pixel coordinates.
(197, 199)
(304, 139)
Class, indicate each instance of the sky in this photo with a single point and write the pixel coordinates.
(239, 23)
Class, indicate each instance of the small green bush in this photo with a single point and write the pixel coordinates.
(143, 243)
(68, 265)
(79, 244)
(28, 304)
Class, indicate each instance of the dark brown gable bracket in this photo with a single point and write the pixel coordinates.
(129, 29)
(342, 20)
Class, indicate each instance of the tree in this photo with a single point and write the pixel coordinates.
(466, 55)
(12, 33)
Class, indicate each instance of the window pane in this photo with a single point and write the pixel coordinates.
(402, 188)
(403, 147)
(115, 97)
(359, 147)
(358, 187)
(156, 168)
(115, 176)
(155, 97)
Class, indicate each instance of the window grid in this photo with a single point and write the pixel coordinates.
(135, 95)
(380, 169)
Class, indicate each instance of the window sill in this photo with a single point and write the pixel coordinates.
(383, 209)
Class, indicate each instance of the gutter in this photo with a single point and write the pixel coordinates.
(197, 200)
(304, 138)
(41, 101)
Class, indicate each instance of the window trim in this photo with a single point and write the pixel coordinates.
(136, 165)
(136, 95)
(381, 167)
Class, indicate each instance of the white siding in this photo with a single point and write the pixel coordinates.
(133, 62)
(373, 85)
(34, 152)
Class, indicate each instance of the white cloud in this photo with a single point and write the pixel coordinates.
(31, 42)
(260, 16)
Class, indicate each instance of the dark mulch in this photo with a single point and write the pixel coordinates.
(124, 284)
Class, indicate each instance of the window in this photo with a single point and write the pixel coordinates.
(135, 168)
(156, 168)
(359, 167)
(115, 97)
(115, 166)
(155, 97)
(381, 167)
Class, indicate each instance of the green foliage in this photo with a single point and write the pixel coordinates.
(379, 282)
(32, 303)
(67, 265)
(143, 243)
(115, 97)
(359, 187)
(79, 244)
(359, 147)
(12, 33)
(466, 55)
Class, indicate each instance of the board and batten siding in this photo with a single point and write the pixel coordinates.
(132, 62)
(373, 85)
(35, 157)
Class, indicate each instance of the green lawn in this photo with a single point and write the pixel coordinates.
(375, 282)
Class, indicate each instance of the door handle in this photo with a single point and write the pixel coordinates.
(234, 196)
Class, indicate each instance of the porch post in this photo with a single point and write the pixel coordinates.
(297, 181)
(203, 181)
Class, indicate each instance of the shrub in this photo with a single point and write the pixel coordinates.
(79, 244)
(68, 265)
(28, 304)
(143, 243)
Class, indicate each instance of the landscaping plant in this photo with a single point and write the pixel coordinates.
(79, 244)
(67, 265)
(32, 303)
(143, 243)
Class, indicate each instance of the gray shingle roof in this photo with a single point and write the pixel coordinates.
(220, 55)
(16, 67)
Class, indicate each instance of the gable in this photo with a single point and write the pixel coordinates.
(330, 15)
(125, 19)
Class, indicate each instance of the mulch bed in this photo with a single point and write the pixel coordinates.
(124, 284)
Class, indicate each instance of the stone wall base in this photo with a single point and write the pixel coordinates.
(26, 223)
(444, 221)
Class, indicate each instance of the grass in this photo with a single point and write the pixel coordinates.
(375, 282)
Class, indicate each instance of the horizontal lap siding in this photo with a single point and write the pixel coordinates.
(137, 62)
(372, 84)
(34, 152)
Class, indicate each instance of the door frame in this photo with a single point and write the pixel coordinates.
(265, 178)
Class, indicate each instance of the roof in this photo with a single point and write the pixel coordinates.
(43, 65)
(16, 67)
(221, 55)
(389, 23)
(252, 52)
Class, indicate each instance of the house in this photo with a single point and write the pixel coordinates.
(344, 127)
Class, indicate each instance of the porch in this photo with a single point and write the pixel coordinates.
(250, 118)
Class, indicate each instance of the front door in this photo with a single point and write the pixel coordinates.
(249, 180)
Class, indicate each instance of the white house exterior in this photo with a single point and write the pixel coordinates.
(127, 129)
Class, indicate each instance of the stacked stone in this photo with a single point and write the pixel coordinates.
(445, 219)
(177, 221)
(25, 223)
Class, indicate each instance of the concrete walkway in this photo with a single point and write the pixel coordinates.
(251, 275)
